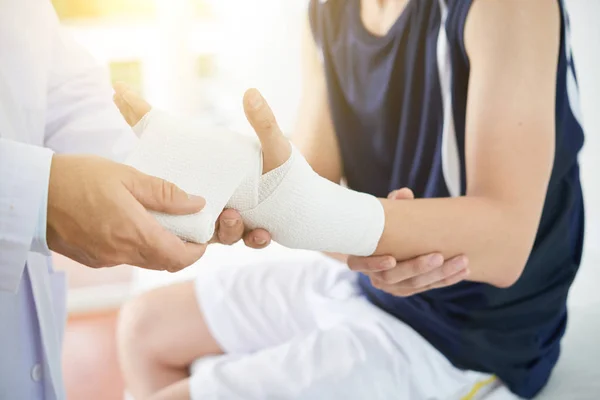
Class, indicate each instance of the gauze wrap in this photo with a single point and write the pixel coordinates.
(299, 208)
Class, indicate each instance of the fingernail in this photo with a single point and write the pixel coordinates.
(466, 272)
(256, 100)
(435, 260)
(461, 263)
(196, 198)
(259, 241)
(387, 264)
(230, 222)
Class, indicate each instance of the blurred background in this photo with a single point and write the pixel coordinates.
(198, 56)
(191, 56)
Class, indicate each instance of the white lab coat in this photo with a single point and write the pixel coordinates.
(53, 97)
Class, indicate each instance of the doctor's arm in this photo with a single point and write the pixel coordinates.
(96, 208)
(513, 51)
(98, 219)
(82, 119)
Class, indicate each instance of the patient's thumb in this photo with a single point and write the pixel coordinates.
(131, 105)
(276, 147)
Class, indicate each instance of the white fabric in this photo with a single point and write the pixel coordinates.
(302, 330)
(577, 375)
(202, 160)
(307, 211)
(450, 154)
(298, 207)
(51, 94)
(21, 198)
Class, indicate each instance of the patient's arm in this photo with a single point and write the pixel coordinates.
(274, 189)
(509, 149)
(510, 131)
(230, 228)
(313, 133)
(315, 137)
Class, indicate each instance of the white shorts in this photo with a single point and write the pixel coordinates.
(302, 330)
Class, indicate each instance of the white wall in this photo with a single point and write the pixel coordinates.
(586, 46)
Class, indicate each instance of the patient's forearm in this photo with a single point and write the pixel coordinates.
(496, 239)
(303, 210)
(310, 212)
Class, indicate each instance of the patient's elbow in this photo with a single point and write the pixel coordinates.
(510, 269)
(506, 280)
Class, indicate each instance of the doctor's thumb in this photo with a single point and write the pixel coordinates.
(162, 196)
(276, 147)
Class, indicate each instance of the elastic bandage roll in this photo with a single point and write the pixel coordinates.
(202, 160)
(299, 208)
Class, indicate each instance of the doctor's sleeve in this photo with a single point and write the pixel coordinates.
(24, 176)
(81, 116)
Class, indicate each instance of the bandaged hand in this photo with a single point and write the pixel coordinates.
(268, 181)
(229, 228)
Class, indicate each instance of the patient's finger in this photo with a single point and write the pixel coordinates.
(402, 194)
(275, 146)
(411, 268)
(451, 280)
(371, 264)
(230, 227)
(448, 269)
(257, 239)
(125, 110)
(131, 105)
(404, 291)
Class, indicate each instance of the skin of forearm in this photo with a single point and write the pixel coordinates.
(497, 238)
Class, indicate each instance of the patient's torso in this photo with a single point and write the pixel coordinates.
(398, 104)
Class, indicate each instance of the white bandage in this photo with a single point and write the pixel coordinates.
(306, 211)
(202, 160)
(299, 208)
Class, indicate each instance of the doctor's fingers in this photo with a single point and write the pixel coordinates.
(276, 147)
(162, 250)
(160, 195)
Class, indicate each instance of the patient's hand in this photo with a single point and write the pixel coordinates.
(270, 183)
(229, 227)
(409, 277)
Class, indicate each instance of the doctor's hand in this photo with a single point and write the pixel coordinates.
(97, 215)
(230, 227)
(409, 277)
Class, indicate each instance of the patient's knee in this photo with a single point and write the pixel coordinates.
(137, 327)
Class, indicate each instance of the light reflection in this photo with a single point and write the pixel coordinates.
(195, 56)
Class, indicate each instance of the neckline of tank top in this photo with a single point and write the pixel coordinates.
(366, 34)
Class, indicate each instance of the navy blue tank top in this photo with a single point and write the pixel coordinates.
(398, 106)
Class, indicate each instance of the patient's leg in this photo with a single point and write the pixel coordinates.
(160, 333)
(177, 391)
(299, 329)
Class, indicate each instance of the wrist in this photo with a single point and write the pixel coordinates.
(52, 206)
